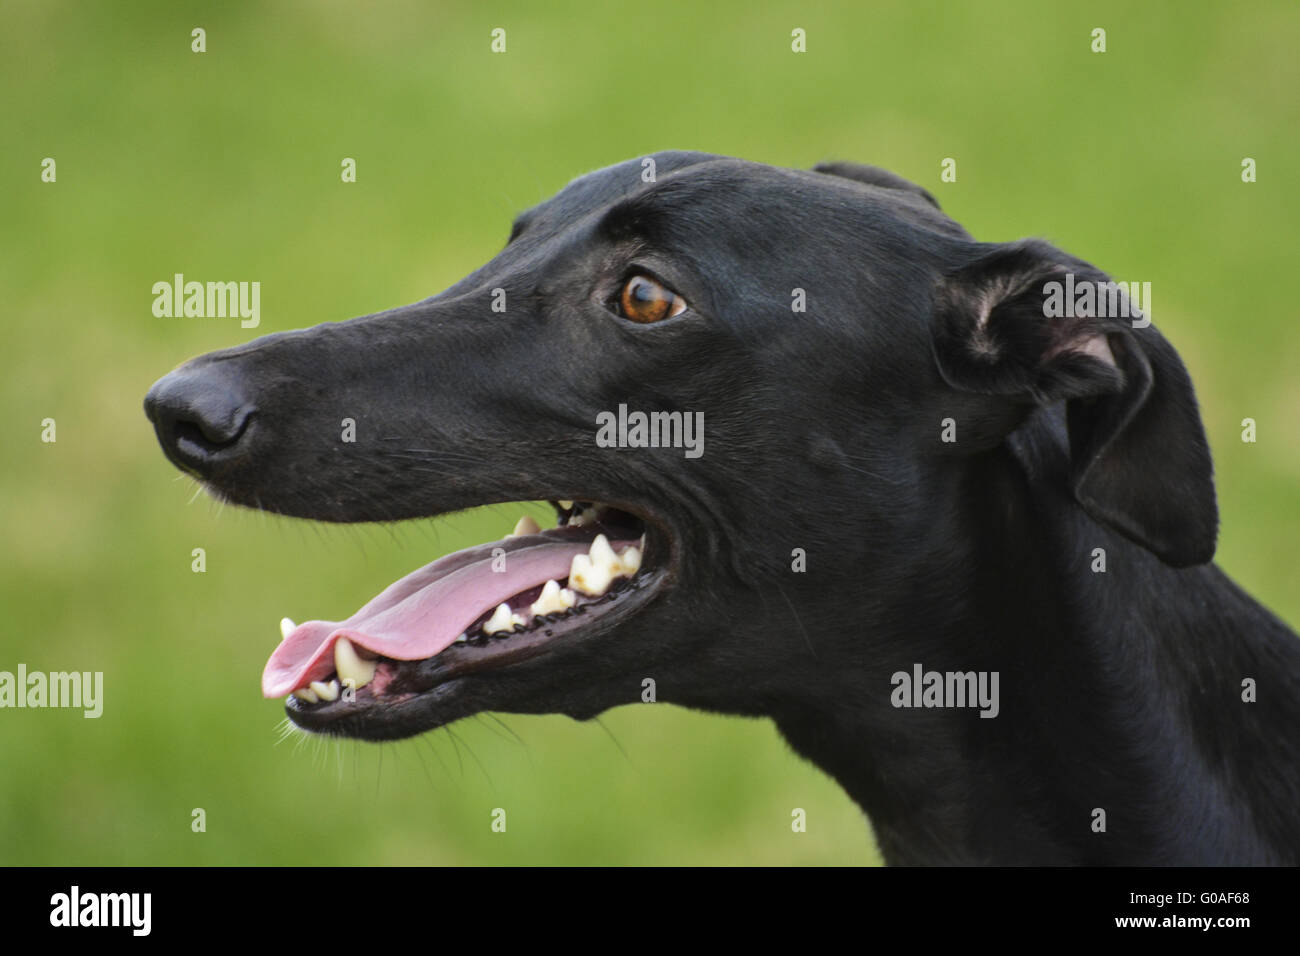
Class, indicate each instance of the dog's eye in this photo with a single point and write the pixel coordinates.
(645, 300)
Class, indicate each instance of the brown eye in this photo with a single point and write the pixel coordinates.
(645, 300)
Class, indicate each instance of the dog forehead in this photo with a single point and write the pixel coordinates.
(673, 191)
(603, 187)
(723, 189)
(633, 175)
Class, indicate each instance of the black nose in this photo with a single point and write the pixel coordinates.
(201, 416)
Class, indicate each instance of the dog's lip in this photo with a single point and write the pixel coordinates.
(422, 613)
(306, 653)
(414, 688)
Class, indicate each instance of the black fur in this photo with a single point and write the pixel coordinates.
(1119, 690)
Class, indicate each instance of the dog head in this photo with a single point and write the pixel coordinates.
(732, 381)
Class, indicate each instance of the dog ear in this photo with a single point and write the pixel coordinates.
(1139, 459)
(874, 176)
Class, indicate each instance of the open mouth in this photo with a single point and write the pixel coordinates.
(479, 609)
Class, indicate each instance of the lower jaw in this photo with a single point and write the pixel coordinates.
(406, 698)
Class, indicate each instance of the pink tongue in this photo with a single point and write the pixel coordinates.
(421, 614)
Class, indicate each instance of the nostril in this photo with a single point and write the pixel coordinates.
(219, 425)
(209, 437)
(199, 414)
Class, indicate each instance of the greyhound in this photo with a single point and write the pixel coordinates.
(818, 456)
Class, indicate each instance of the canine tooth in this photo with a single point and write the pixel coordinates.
(552, 599)
(630, 561)
(286, 627)
(585, 517)
(566, 505)
(307, 694)
(589, 577)
(501, 620)
(325, 691)
(601, 552)
(351, 666)
(525, 525)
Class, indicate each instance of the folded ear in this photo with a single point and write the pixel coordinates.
(1020, 325)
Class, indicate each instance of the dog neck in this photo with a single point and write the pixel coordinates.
(1120, 735)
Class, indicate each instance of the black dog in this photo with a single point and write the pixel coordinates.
(923, 502)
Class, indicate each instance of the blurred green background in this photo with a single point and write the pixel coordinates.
(225, 165)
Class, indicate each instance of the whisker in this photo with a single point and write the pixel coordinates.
(602, 726)
(474, 756)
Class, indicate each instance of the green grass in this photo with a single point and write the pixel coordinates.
(226, 165)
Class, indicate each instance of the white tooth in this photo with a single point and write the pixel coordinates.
(630, 561)
(525, 525)
(589, 577)
(642, 542)
(566, 505)
(602, 554)
(568, 597)
(286, 627)
(307, 694)
(501, 620)
(462, 639)
(518, 620)
(325, 691)
(586, 517)
(551, 600)
(351, 666)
